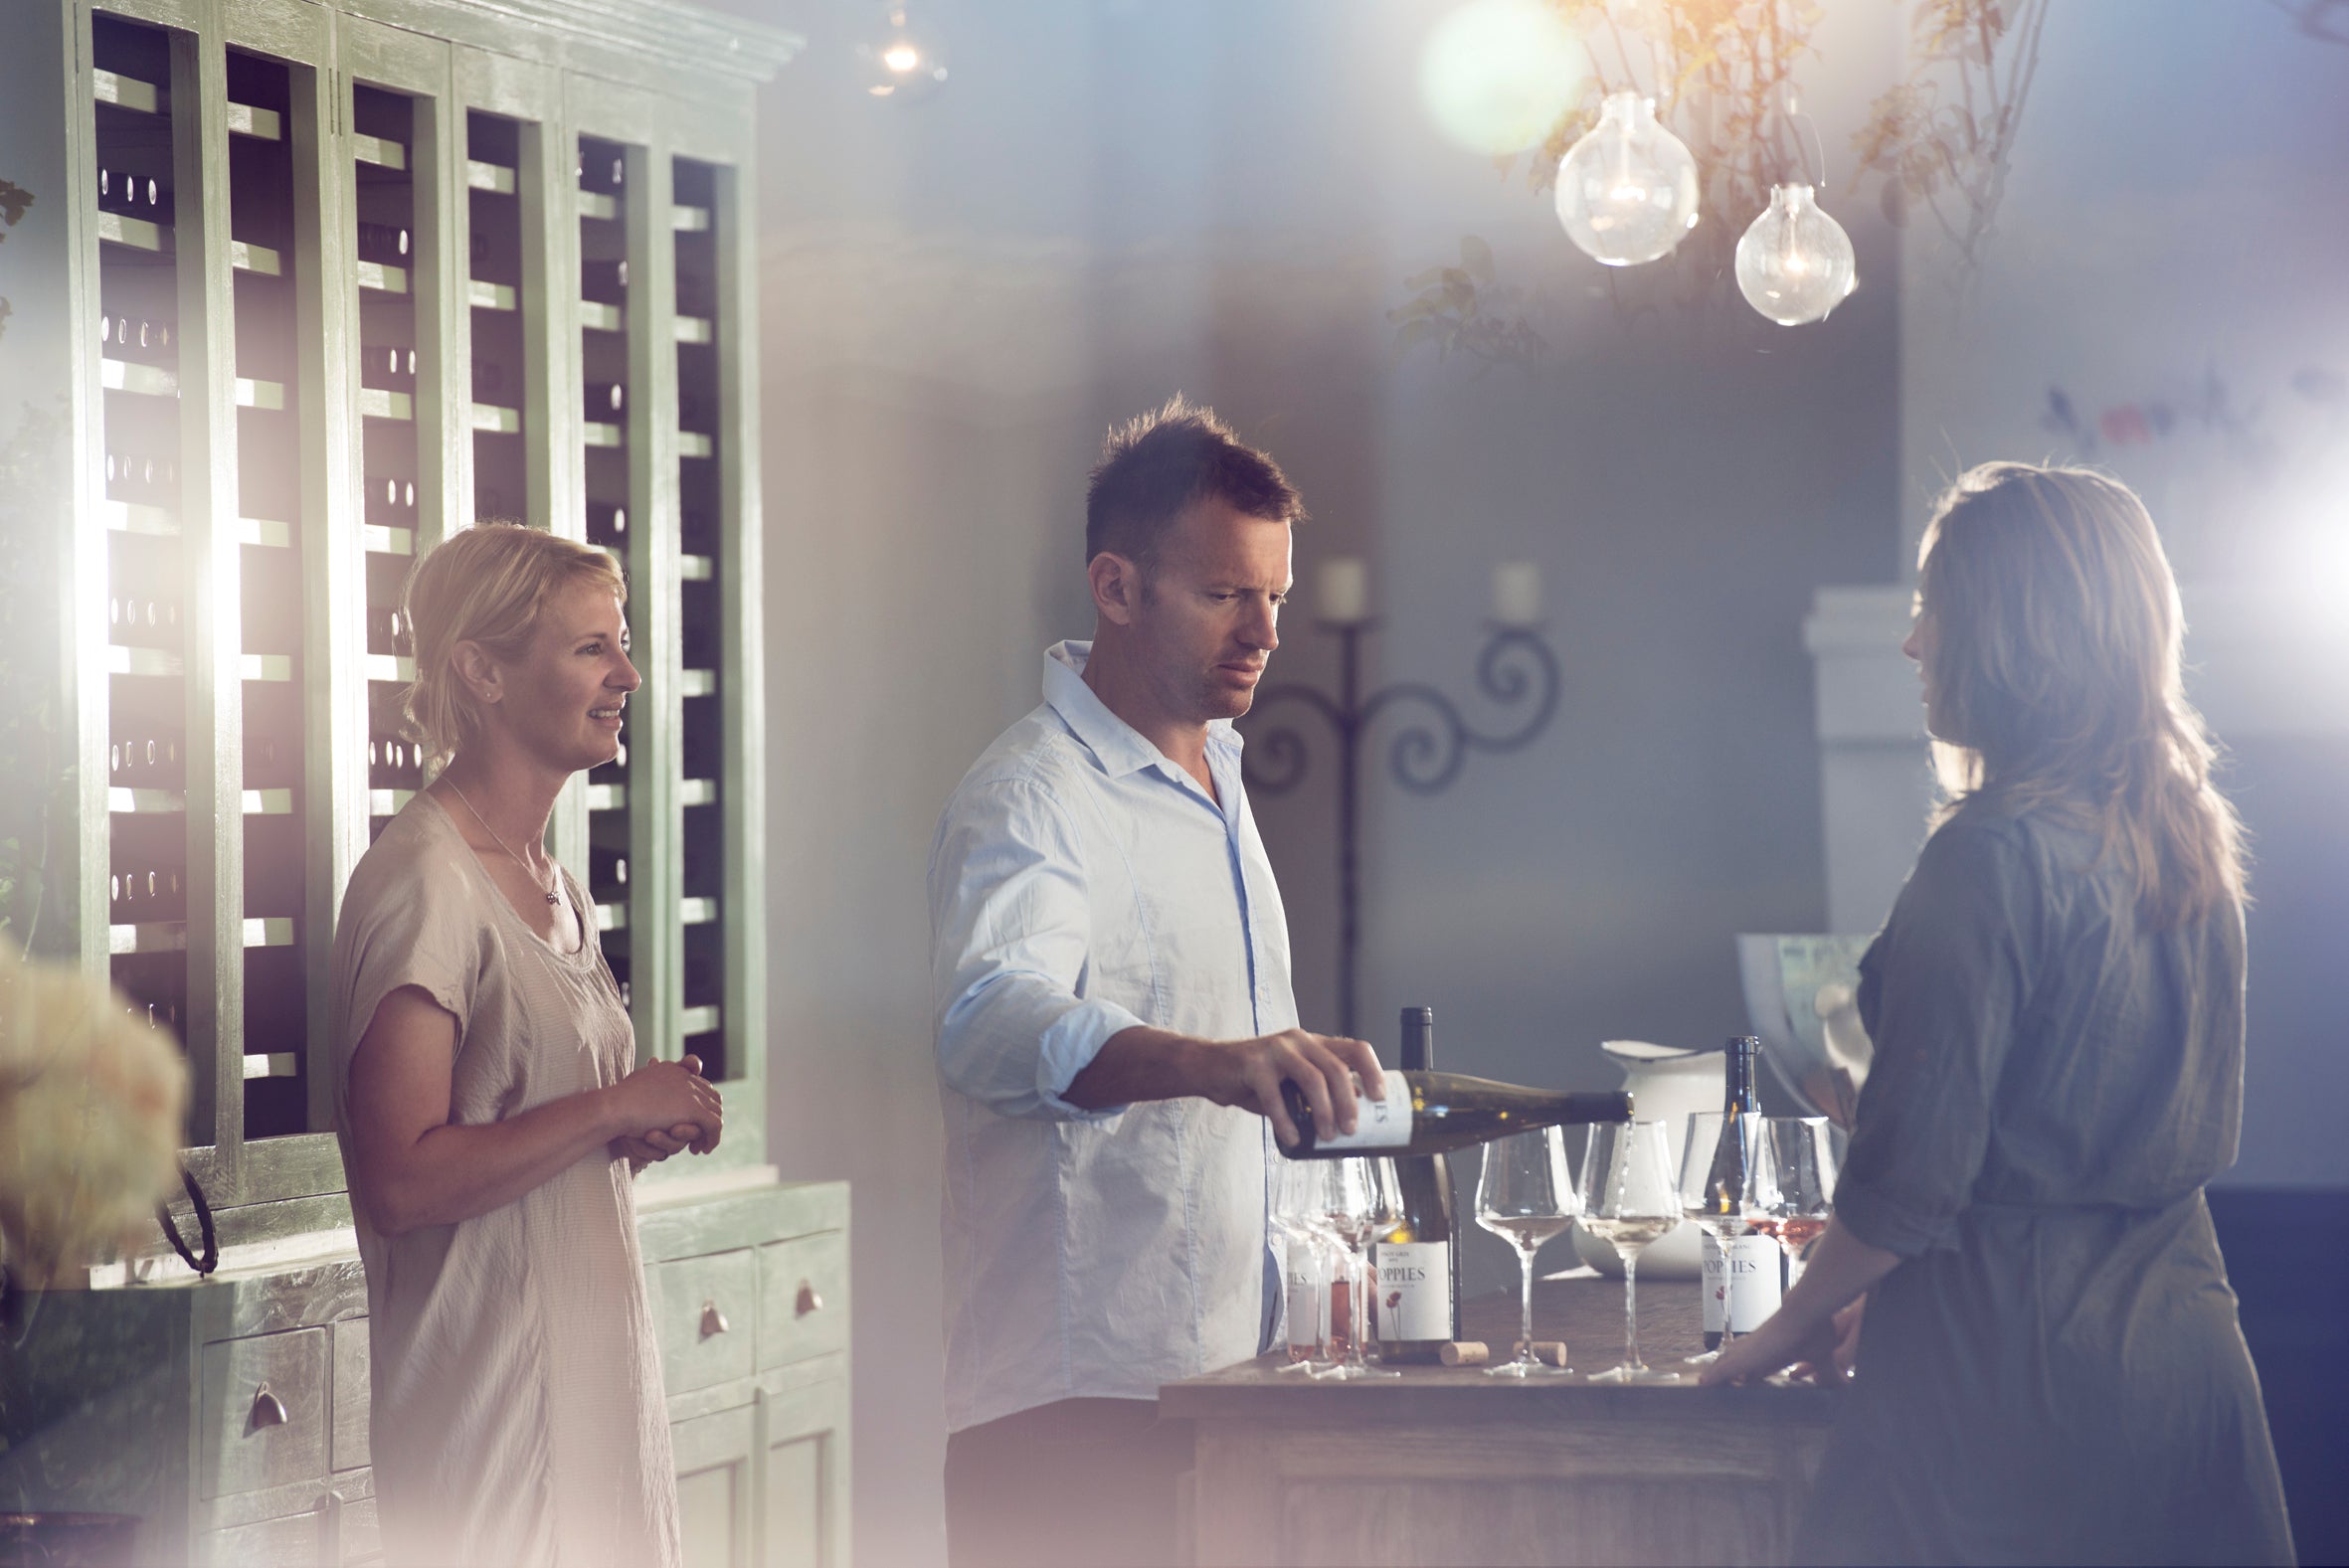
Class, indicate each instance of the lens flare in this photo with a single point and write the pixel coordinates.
(1495, 74)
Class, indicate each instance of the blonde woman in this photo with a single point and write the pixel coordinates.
(2051, 1369)
(489, 1105)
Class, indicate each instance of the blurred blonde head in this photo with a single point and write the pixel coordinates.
(2054, 677)
(488, 585)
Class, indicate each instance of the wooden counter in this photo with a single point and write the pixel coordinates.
(1446, 1466)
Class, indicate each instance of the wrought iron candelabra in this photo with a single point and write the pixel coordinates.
(1516, 670)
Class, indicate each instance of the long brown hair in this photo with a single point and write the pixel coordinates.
(2057, 669)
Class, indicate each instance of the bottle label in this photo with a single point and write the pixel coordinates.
(1378, 1124)
(1303, 1275)
(1756, 1259)
(1414, 1289)
(1712, 1283)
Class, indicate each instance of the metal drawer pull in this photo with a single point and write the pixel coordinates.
(713, 1321)
(267, 1409)
(810, 1301)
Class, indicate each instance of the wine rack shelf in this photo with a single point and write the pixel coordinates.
(336, 279)
(352, 286)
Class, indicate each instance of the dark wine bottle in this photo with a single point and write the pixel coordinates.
(1429, 1113)
(388, 365)
(1418, 1269)
(604, 282)
(605, 401)
(387, 243)
(1724, 1183)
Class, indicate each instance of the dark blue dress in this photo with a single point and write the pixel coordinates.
(2053, 1373)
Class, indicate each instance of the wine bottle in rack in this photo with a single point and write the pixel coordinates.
(604, 282)
(141, 476)
(607, 524)
(134, 195)
(1431, 1113)
(387, 243)
(391, 503)
(1416, 1269)
(390, 365)
(605, 401)
(600, 173)
(125, 337)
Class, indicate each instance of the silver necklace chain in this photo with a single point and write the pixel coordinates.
(501, 844)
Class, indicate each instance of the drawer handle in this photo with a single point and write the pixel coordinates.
(810, 1301)
(713, 1321)
(267, 1409)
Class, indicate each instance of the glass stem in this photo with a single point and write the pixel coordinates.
(1360, 1325)
(1631, 1360)
(1524, 1314)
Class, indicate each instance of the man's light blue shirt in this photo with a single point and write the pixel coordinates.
(1081, 883)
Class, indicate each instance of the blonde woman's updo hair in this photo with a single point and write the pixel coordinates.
(2056, 669)
(486, 584)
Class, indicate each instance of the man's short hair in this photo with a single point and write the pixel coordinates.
(1154, 466)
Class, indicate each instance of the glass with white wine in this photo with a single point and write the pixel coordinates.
(1629, 1198)
(1525, 1197)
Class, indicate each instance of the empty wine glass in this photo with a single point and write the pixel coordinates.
(1629, 1198)
(1352, 1209)
(1525, 1197)
(1299, 1221)
(1795, 1183)
(1717, 1162)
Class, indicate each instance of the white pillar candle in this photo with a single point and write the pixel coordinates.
(1341, 593)
(1517, 594)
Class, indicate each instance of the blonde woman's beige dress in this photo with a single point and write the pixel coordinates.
(519, 1411)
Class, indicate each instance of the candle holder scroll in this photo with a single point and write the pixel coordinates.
(1516, 670)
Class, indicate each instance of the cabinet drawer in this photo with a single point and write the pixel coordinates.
(297, 1541)
(802, 1297)
(246, 1447)
(705, 1312)
(353, 1396)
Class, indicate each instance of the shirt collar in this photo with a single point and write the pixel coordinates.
(1120, 747)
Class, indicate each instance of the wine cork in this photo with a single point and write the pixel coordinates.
(1550, 1352)
(1464, 1352)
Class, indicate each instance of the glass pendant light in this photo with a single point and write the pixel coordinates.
(1627, 191)
(1795, 263)
(901, 62)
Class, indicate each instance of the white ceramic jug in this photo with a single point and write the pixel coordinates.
(1666, 1084)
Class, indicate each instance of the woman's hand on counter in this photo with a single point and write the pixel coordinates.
(1818, 1325)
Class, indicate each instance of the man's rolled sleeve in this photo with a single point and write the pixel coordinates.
(1011, 925)
(1950, 978)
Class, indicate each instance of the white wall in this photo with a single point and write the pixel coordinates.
(2174, 213)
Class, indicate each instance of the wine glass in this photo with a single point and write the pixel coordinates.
(1795, 1183)
(1628, 1197)
(1300, 1220)
(1352, 1208)
(1526, 1196)
(1717, 1162)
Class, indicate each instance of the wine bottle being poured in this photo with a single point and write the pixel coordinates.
(1430, 1113)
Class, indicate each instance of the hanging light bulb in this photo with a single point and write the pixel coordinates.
(901, 62)
(1627, 191)
(1795, 263)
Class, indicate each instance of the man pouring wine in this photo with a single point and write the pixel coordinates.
(1115, 1027)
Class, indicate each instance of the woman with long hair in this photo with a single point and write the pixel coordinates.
(2051, 1369)
(491, 1111)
